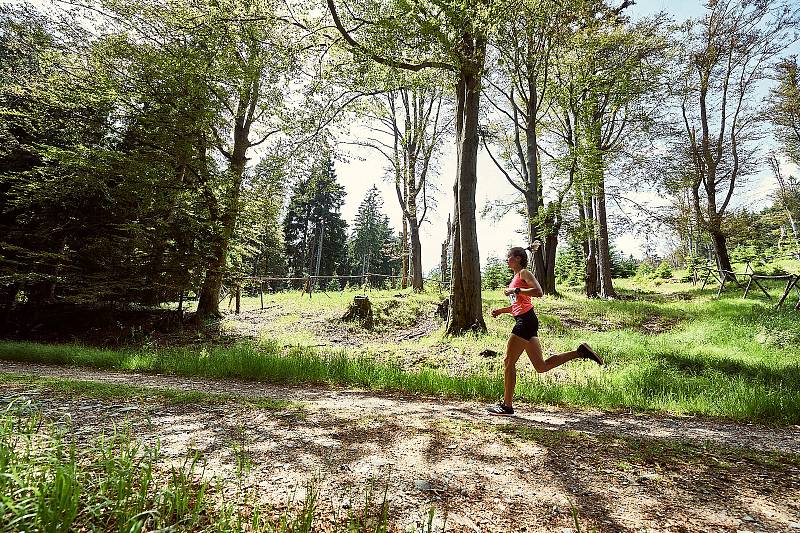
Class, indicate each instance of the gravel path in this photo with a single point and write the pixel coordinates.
(750, 436)
(617, 471)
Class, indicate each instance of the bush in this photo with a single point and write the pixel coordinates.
(495, 275)
(770, 269)
(693, 262)
(664, 271)
(744, 253)
(644, 271)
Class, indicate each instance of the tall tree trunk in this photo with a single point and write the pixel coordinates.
(548, 252)
(721, 249)
(405, 253)
(416, 256)
(466, 295)
(208, 304)
(589, 247)
(455, 314)
(445, 249)
(532, 199)
(538, 266)
(603, 249)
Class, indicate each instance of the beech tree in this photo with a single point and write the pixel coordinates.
(411, 129)
(250, 64)
(618, 68)
(519, 90)
(727, 55)
(450, 36)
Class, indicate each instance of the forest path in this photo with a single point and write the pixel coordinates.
(619, 471)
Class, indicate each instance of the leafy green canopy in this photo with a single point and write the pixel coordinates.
(115, 171)
(95, 203)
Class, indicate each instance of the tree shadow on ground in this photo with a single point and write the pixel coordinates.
(679, 479)
(786, 375)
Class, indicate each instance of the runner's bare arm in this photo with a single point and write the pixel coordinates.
(535, 289)
(498, 312)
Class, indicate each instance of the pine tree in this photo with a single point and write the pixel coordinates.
(315, 212)
(369, 232)
(374, 247)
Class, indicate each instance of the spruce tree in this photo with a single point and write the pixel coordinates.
(315, 211)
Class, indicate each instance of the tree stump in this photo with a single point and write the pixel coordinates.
(361, 310)
(443, 308)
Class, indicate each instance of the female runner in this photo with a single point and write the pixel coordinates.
(524, 336)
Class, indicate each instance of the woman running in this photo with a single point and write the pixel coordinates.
(524, 336)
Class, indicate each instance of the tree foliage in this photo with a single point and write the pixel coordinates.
(313, 226)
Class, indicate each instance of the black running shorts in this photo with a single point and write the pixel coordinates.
(526, 325)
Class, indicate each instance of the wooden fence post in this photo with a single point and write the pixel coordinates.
(238, 298)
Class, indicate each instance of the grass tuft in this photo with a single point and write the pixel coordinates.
(120, 483)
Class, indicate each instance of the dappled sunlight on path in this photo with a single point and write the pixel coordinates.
(618, 471)
(750, 436)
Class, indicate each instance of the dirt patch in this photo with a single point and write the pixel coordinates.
(618, 472)
(650, 325)
(393, 323)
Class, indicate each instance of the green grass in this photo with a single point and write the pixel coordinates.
(119, 483)
(676, 349)
(265, 362)
(48, 484)
(119, 391)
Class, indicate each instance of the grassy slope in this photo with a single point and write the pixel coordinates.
(731, 358)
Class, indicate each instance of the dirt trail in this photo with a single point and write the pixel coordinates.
(352, 402)
(619, 471)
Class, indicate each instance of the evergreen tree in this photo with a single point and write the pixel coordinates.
(96, 174)
(496, 274)
(315, 211)
(372, 237)
(570, 266)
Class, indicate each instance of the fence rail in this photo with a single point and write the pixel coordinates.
(723, 276)
(308, 284)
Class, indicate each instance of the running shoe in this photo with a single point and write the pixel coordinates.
(500, 409)
(585, 351)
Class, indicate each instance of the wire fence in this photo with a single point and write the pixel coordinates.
(233, 287)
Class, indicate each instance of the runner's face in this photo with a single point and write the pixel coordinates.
(512, 260)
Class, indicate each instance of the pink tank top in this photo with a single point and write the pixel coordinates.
(520, 303)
